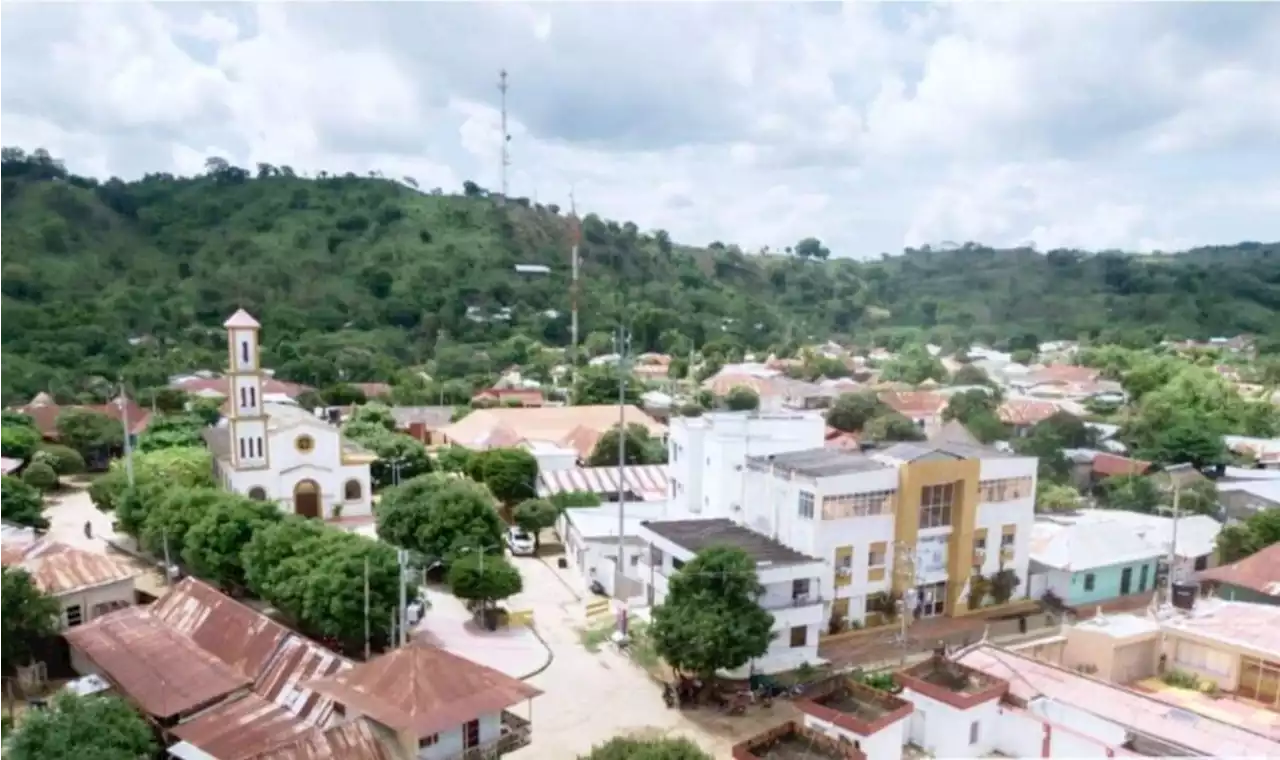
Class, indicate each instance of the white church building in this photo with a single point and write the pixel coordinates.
(281, 452)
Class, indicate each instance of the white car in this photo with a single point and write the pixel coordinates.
(520, 543)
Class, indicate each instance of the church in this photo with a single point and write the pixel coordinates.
(280, 452)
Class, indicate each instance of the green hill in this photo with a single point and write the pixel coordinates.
(364, 276)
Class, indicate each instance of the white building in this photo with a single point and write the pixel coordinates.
(706, 455)
(791, 581)
(922, 516)
(279, 452)
(86, 585)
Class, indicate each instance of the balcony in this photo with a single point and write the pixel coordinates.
(516, 733)
(795, 602)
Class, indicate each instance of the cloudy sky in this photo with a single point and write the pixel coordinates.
(1139, 126)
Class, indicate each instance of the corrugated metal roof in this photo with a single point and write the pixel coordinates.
(647, 481)
(239, 636)
(357, 740)
(58, 568)
(162, 671)
(424, 689)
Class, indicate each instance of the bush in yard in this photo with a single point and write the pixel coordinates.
(18, 441)
(22, 504)
(40, 475)
(64, 459)
(626, 748)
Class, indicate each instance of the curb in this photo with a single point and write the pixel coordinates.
(551, 656)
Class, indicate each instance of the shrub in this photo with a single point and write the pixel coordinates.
(40, 475)
(64, 459)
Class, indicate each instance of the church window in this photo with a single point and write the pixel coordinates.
(244, 397)
(259, 445)
(258, 493)
(352, 490)
(242, 449)
(253, 397)
(304, 443)
(244, 351)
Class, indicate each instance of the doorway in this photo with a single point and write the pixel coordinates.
(1126, 581)
(306, 499)
(931, 600)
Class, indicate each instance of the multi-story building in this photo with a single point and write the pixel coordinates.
(706, 456)
(912, 522)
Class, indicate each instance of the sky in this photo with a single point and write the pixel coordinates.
(1138, 126)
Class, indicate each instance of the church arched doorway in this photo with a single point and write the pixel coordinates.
(306, 499)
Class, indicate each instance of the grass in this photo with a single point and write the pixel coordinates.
(593, 637)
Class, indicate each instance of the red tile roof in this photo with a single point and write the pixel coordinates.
(914, 403)
(1109, 465)
(423, 689)
(218, 385)
(44, 413)
(1258, 572)
(1065, 373)
(526, 396)
(1025, 411)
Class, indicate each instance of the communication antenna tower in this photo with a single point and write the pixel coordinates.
(506, 137)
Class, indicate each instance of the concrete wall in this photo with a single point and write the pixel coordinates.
(449, 743)
(120, 593)
(1106, 583)
(885, 744)
(945, 731)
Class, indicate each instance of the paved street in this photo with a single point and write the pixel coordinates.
(69, 510)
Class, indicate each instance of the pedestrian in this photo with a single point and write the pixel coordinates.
(88, 529)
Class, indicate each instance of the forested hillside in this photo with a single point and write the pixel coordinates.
(365, 276)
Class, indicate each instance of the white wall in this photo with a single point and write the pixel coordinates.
(323, 464)
(707, 455)
(450, 742)
(944, 731)
(120, 592)
(1020, 512)
(885, 744)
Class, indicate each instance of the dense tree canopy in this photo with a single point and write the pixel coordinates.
(640, 447)
(108, 277)
(22, 504)
(28, 616)
(97, 727)
(440, 518)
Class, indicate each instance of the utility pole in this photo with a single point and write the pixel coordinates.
(366, 609)
(904, 568)
(1175, 480)
(624, 345)
(576, 232)
(168, 563)
(403, 557)
(128, 446)
(506, 137)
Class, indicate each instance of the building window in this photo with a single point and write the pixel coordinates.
(655, 556)
(471, 734)
(75, 616)
(1194, 656)
(244, 351)
(304, 443)
(352, 490)
(935, 505)
(429, 741)
(258, 493)
(973, 732)
(799, 588)
(806, 505)
(243, 446)
(259, 440)
(799, 636)
(1007, 540)
(858, 504)
(677, 564)
(1142, 578)
(1202, 562)
(1005, 489)
(253, 397)
(244, 397)
(876, 556)
(1088, 581)
(635, 560)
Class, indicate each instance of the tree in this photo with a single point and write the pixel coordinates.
(40, 475)
(63, 459)
(28, 616)
(742, 399)
(392, 450)
(535, 515)
(966, 405)
(1052, 497)
(90, 433)
(167, 431)
(892, 427)
(166, 524)
(572, 499)
(626, 748)
(511, 474)
(1184, 420)
(1260, 530)
(970, 375)
(986, 427)
(914, 365)
(97, 726)
(18, 441)
(1023, 356)
(22, 504)
(461, 518)
(214, 544)
(154, 473)
(640, 448)
(599, 385)
(453, 458)
(852, 411)
(266, 552)
(1133, 493)
(328, 581)
(484, 578)
(711, 619)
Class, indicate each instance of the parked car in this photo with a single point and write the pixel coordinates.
(520, 542)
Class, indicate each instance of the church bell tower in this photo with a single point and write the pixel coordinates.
(246, 420)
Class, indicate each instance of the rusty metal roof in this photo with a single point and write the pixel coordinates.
(424, 689)
(240, 636)
(357, 740)
(59, 569)
(165, 673)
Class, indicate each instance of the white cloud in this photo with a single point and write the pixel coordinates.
(870, 126)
